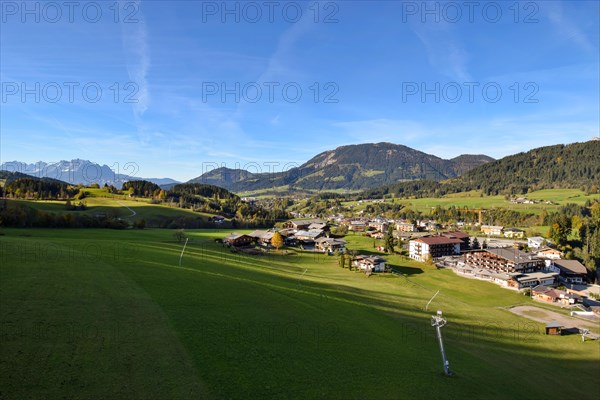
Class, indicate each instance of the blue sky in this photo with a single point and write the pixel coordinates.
(443, 77)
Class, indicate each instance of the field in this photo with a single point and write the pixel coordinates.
(111, 314)
(473, 200)
(100, 202)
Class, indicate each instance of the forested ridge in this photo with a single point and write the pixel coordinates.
(575, 165)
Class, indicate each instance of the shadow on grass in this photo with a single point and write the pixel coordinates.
(404, 270)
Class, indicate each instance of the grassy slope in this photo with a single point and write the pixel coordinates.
(114, 206)
(98, 313)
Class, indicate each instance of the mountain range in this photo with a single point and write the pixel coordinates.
(376, 167)
(353, 167)
(82, 171)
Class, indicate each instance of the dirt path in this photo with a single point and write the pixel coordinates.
(546, 316)
(132, 212)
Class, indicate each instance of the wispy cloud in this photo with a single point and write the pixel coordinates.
(135, 43)
(568, 29)
(381, 130)
(445, 51)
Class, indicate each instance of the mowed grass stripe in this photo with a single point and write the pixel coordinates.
(72, 327)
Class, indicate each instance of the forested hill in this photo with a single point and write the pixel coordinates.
(574, 165)
(25, 186)
(357, 166)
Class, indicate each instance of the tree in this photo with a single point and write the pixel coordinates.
(341, 230)
(484, 244)
(342, 261)
(388, 240)
(179, 235)
(595, 210)
(560, 229)
(277, 240)
(475, 245)
(349, 259)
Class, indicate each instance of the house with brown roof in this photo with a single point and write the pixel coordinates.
(262, 237)
(551, 295)
(423, 248)
(302, 223)
(463, 236)
(237, 240)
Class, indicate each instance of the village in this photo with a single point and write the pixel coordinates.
(504, 256)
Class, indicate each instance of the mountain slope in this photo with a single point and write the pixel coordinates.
(574, 165)
(350, 167)
(570, 166)
(466, 162)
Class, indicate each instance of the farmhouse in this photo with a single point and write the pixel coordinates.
(262, 237)
(330, 245)
(303, 223)
(504, 259)
(237, 239)
(316, 225)
(369, 263)
(493, 230)
(570, 271)
(545, 293)
(312, 234)
(433, 246)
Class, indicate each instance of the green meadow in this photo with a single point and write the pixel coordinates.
(111, 314)
(474, 200)
(114, 206)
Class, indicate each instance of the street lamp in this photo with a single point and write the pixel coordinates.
(438, 321)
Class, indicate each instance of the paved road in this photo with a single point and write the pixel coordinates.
(133, 213)
(546, 316)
